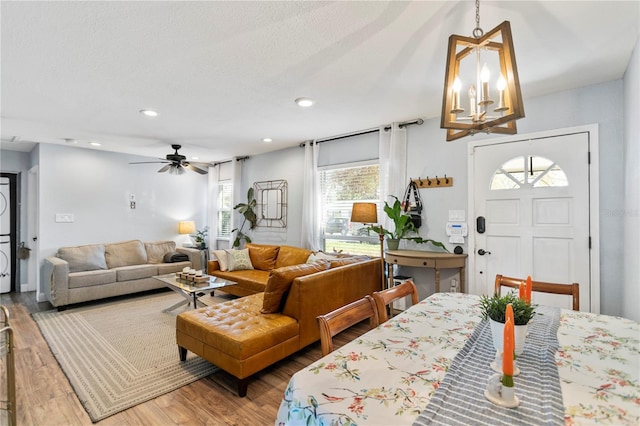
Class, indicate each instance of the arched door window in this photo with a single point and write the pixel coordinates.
(528, 171)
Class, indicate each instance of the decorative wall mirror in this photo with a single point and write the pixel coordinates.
(271, 199)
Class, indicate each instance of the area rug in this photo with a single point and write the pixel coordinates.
(119, 354)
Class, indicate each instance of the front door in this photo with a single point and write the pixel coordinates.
(533, 196)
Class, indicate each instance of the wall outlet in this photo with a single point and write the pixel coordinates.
(64, 217)
(132, 204)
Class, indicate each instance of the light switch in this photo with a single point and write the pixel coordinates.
(456, 215)
(64, 217)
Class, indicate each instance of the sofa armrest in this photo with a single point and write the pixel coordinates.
(213, 265)
(56, 280)
(195, 256)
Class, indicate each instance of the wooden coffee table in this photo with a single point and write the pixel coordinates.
(190, 291)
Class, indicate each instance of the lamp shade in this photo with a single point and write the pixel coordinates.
(187, 227)
(364, 213)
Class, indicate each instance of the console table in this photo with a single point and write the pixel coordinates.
(427, 259)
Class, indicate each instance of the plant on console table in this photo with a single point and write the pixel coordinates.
(249, 215)
(200, 238)
(403, 227)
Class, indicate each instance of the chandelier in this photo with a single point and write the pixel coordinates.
(479, 69)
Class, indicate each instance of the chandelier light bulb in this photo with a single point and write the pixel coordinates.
(457, 85)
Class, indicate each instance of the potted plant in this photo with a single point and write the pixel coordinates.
(249, 214)
(493, 309)
(200, 238)
(403, 227)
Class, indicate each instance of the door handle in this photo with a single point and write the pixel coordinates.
(482, 252)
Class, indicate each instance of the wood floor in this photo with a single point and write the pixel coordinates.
(45, 397)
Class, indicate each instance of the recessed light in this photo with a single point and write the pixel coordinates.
(149, 112)
(267, 140)
(95, 143)
(195, 158)
(304, 102)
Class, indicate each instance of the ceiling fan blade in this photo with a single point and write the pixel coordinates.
(164, 168)
(195, 169)
(149, 162)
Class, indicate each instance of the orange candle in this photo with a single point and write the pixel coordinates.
(522, 291)
(528, 290)
(508, 314)
(509, 346)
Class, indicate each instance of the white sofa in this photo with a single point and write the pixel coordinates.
(95, 271)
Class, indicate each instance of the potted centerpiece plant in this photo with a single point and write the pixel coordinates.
(403, 228)
(494, 307)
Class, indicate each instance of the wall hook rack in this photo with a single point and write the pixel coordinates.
(434, 182)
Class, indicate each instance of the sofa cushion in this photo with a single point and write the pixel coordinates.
(136, 272)
(157, 249)
(288, 256)
(253, 280)
(222, 258)
(280, 281)
(92, 278)
(239, 260)
(125, 253)
(263, 256)
(84, 258)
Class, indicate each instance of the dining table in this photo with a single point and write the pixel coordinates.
(431, 365)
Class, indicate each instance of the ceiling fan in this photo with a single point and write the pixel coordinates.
(176, 163)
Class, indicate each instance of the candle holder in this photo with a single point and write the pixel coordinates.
(500, 394)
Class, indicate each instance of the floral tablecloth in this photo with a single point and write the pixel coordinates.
(388, 375)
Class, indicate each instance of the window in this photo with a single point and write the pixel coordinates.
(528, 171)
(224, 208)
(340, 187)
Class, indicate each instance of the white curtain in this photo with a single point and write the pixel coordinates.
(239, 194)
(310, 235)
(212, 213)
(393, 168)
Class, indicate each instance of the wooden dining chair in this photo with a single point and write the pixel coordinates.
(384, 298)
(572, 290)
(344, 317)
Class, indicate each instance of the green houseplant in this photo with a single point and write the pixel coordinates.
(200, 238)
(403, 227)
(494, 307)
(248, 213)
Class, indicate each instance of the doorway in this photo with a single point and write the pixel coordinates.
(8, 231)
(536, 197)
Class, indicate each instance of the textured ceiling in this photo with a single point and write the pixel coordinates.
(224, 75)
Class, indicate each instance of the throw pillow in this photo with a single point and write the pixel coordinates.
(263, 257)
(239, 260)
(126, 253)
(222, 258)
(280, 281)
(84, 258)
(157, 249)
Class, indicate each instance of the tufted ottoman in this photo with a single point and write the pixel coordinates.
(236, 337)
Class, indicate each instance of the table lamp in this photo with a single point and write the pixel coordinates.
(187, 227)
(367, 213)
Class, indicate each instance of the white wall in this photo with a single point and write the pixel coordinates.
(430, 155)
(95, 187)
(631, 211)
(286, 164)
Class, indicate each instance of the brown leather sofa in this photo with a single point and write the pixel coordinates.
(265, 258)
(246, 335)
